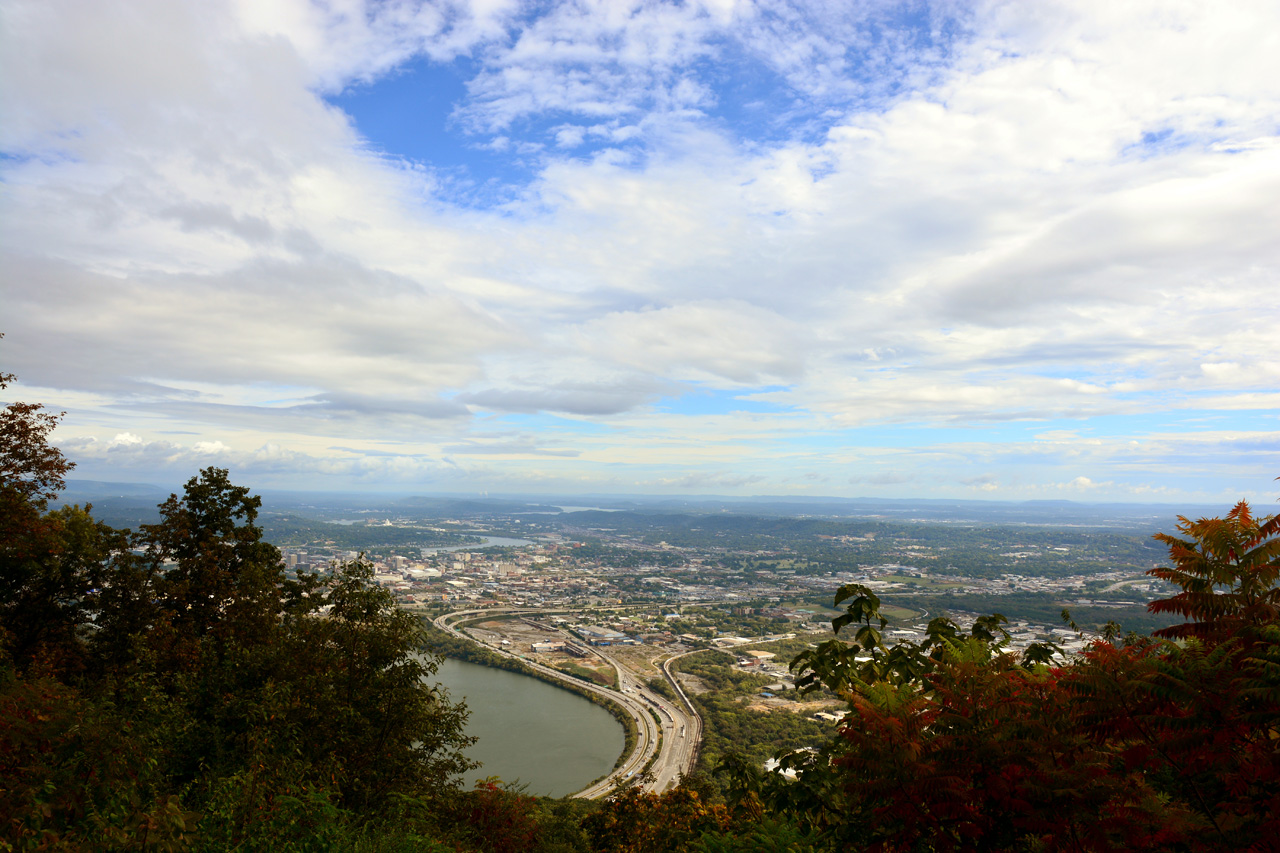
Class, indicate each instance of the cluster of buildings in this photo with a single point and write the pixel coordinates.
(549, 571)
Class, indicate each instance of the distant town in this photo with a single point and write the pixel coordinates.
(706, 580)
(551, 573)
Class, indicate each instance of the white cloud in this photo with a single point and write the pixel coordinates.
(595, 60)
(992, 214)
(209, 448)
(1083, 484)
(349, 40)
(723, 342)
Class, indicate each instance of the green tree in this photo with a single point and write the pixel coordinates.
(315, 680)
(143, 676)
(215, 575)
(49, 582)
(76, 775)
(360, 694)
(630, 821)
(31, 469)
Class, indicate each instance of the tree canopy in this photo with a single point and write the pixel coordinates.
(174, 688)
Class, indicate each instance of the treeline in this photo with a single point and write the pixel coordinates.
(172, 689)
(1040, 609)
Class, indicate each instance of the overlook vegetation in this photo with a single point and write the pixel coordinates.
(172, 688)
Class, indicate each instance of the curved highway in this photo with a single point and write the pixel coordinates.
(687, 747)
(670, 741)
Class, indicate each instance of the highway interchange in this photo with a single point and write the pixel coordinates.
(667, 730)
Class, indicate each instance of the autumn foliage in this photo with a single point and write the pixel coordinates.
(1170, 743)
(635, 822)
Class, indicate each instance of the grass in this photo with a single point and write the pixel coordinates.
(598, 676)
(894, 613)
(820, 609)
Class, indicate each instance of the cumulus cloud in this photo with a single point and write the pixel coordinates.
(1083, 484)
(266, 465)
(945, 218)
(701, 481)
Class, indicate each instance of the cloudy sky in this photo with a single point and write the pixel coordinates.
(999, 250)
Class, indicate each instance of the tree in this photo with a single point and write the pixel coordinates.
(32, 469)
(46, 560)
(75, 775)
(215, 573)
(954, 744)
(49, 585)
(359, 694)
(1227, 571)
(630, 821)
(145, 675)
(313, 678)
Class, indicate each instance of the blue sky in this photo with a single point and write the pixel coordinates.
(902, 249)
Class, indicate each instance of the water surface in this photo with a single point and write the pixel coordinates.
(489, 542)
(550, 739)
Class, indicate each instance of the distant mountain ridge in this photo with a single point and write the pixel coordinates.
(134, 503)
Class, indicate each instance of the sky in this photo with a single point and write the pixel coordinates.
(992, 250)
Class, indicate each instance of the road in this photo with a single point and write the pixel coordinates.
(673, 736)
(689, 738)
(681, 726)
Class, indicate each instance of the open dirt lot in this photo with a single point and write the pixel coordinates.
(806, 708)
(692, 684)
(521, 634)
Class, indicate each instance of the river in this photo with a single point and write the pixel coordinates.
(489, 542)
(550, 739)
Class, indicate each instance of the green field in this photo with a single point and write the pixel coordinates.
(894, 613)
(602, 677)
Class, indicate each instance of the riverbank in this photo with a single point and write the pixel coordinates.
(542, 740)
(448, 645)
